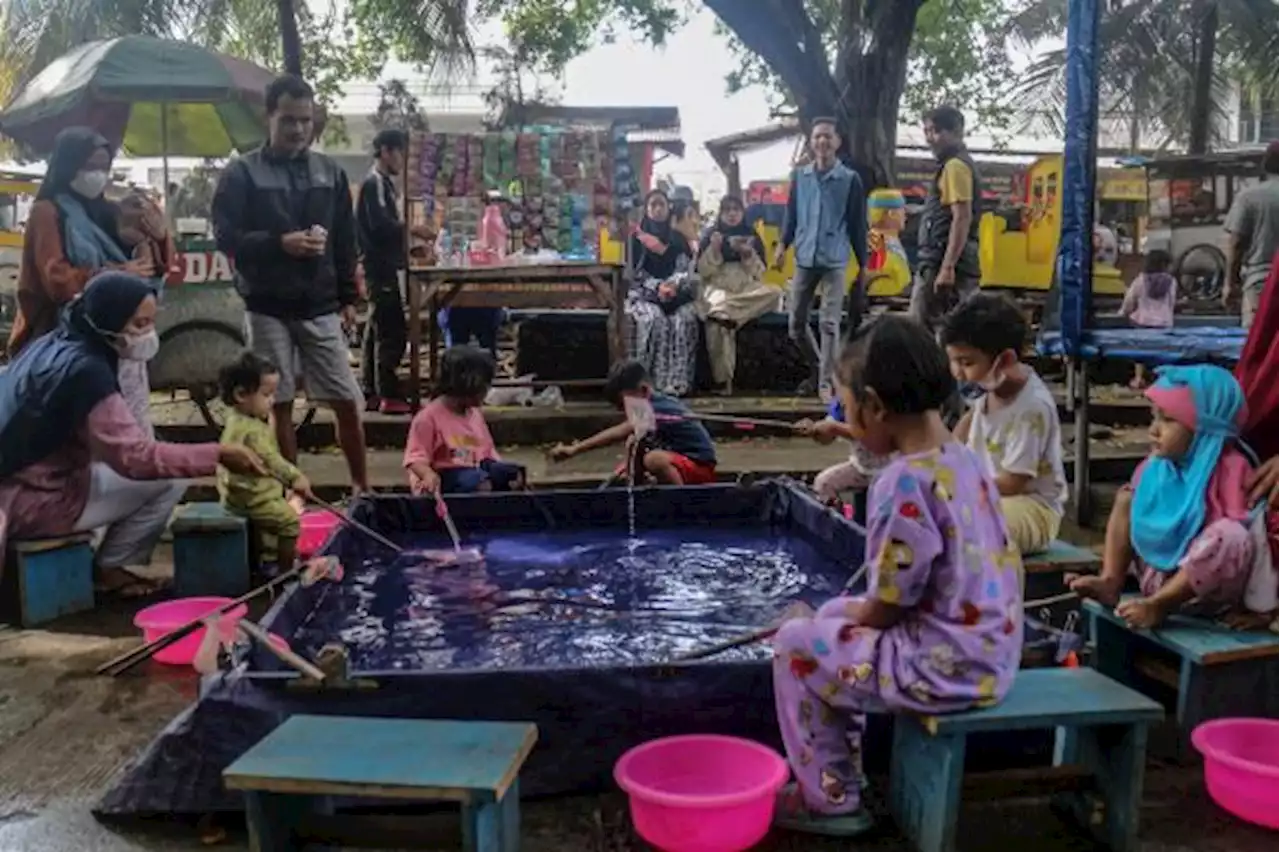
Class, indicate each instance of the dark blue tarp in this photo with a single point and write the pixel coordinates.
(1152, 345)
(586, 717)
(1080, 163)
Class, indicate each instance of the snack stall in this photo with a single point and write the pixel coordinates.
(518, 217)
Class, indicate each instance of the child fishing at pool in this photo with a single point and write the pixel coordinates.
(1012, 424)
(940, 626)
(678, 452)
(450, 450)
(248, 387)
(857, 473)
(1184, 525)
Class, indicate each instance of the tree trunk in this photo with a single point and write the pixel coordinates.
(1202, 88)
(290, 40)
(864, 92)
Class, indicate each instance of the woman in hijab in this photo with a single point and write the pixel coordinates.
(73, 234)
(731, 269)
(72, 456)
(661, 302)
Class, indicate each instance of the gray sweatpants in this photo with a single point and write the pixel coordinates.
(930, 304)
(131, 513)
(828, 286)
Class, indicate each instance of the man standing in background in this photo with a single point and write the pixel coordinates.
(947, 270)
(1251, 228)
(826, 222)
(282, 215)
(381, 233)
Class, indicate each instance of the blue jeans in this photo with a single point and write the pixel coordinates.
(501, 476)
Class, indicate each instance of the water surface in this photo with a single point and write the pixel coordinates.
(570, 599)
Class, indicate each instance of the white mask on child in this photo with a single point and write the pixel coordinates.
(90, 184)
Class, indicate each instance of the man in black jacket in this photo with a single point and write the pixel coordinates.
(381, 231)
(282, 214)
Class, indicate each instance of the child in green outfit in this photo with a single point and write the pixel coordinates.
(248, 387)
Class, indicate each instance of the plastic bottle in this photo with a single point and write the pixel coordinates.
(444, 248)
(494, 234)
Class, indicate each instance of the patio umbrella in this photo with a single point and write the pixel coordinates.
(150, 96)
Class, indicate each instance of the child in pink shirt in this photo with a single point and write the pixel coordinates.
(450, 449)
(1150, 301)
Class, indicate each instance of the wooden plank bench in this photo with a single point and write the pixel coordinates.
(1099, 723)
(1213, 670)
(294, 770)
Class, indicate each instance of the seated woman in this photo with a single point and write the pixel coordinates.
(731, 269)
(664, 318)
(1185, 524)
(72, 456)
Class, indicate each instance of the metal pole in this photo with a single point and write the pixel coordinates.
(1080, 404)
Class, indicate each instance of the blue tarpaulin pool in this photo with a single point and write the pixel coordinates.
(569, 623)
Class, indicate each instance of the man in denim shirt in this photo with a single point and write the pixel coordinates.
(826, 222)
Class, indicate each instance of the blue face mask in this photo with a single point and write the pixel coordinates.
(971, 391)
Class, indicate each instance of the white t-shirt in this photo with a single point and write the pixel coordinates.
(1023, 437)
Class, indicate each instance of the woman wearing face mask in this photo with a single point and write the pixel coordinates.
(72, 456)
(664, 318)
(72, 235)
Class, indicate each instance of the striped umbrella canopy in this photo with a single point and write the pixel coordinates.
(150, 96)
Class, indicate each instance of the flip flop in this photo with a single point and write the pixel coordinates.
(130, 586)
(792, 815)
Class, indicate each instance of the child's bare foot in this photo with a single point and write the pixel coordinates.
(1101, 589)
(1144, 613)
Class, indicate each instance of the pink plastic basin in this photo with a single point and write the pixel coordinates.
(702, 792)
(315, 529)
(155, 621)
(1242, 766)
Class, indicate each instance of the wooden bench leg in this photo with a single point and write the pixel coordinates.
(924, 785)
(274, 819)
(1116, 755)
(510, 806)
(482, 822)
(1113, 651)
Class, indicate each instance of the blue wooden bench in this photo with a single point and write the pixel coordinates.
(1060, 557)
(1100, 724)
(50, 577)
(295, 770)
(1214, 671)
(210, 552)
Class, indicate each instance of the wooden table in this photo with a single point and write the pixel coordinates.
(564, 284)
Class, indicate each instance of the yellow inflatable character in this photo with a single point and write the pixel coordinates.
(888, 272)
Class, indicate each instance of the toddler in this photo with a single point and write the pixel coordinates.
(1184, 524)
(1012, 424)
(858, 472)
(248, 387)
(1150, 301)
(450, 449)
(940, 626)
(679, 451)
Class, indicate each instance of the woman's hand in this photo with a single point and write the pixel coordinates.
(143, 267)
(666, 291)
(1262, 485)
(239, 459)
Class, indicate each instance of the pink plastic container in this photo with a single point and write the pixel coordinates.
(702, 792)
(1242, 767)
(316, 527)
(155, 621)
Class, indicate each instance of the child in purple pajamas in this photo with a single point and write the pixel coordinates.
(940, 626)
(1184, 525)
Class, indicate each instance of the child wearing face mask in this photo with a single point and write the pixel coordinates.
(1012, 423)
(248, 387)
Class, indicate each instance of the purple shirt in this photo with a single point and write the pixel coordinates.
(938, 547)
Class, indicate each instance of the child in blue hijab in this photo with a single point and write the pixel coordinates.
(1184, 523)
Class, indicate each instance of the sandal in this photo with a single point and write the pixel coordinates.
(791, 814)
(123, 584)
